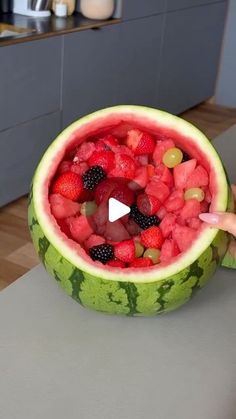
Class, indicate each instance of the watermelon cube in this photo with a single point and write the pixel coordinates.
(175, 201)
(80, 228)
(161, 212)
(84, 151)
(194, 223)
(167, 224)
(100, 217)
(158, 189)
(183, 236)
(182, 173)
(191, 209)
(94, 240)
(199, 177)
(116, 231)
(169, 250)
(164, 174)
(62, 207)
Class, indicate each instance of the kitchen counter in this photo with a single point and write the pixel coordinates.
(49, 26)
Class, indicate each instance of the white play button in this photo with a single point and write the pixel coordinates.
(116, 209)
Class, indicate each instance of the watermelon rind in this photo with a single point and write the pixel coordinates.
(131, 291)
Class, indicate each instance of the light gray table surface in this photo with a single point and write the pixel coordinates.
(59, 360)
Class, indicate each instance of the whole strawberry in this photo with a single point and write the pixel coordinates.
(69, 185)
(105, 159)
(140, 142)
(152, 237)
(125, 251)
(148, 204)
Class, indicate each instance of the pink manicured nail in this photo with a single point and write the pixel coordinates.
(209, 218)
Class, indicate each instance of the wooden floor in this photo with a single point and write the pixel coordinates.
(17, 255)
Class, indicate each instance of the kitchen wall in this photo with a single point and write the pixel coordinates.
(226, 82)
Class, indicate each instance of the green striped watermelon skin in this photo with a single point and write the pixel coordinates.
(126, 298)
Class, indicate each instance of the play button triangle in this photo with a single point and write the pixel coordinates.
(116, 209)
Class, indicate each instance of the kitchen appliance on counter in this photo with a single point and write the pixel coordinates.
(34, 8)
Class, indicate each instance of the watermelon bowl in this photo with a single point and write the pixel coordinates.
(156, 258)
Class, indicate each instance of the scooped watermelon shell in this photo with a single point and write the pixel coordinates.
(136, 290)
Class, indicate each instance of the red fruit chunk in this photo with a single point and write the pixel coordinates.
(116, 263)
(65, 166)
(122, 149)
(69, 185)
(64, 227)
(140, 179)
(141, 263)
(148, 204)
(150, 170)
(80, 168)
(175, 201)
(164, 174)
(169, 250)
(143, 159)
(191, 209)
(167, 224)
(125, 251)
(104, 189)
(198, 178)
(158, 189)
(182, 173)
(62, 207)
(180, 221)
(208, 197)
(110, 141)
(116, 231)
(105, 159)
(140, 142)
(183, 236)
(80, 228)
(160, 149)
(123, 194)
(194, 223)
(94, 240)
(132, 227)
(100, 217)
(86, 195)
(124, 167)
(204, 206)
(85, 150)
(161, 212)
(152, 237)
(120, 131)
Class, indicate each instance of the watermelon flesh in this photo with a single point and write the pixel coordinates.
(63, 235)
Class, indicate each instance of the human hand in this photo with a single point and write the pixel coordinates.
(225, 221)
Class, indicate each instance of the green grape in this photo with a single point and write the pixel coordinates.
(138, 249)
(194, 193)
(88, 208)
(153, 254)
(172, 157)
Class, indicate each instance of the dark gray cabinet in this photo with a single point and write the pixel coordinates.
(90, 72)
(190, 55)
(30, 75)
(182, 4)
(133, 9)
(114, 65)
(21, 149)
(138, 61)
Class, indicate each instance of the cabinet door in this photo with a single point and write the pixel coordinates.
(113, 65)
(20, 150)
(89, 71)
(181, 4)
(190, 55)
(30, 75)
(133, 9)
(139, 61)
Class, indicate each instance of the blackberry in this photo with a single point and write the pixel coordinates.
(186, 157)
(144, 221)
(93, 176)
(103, 252)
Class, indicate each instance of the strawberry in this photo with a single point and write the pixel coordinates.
(148, 204)
(62, 207)
(140, 142)
(125, 251)
(124, 166)
(123, 194)
(105, 159)
(69, 185)
(116, 263)
(152, 237)
(141, 263)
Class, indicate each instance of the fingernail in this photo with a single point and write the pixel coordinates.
(209, 218)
